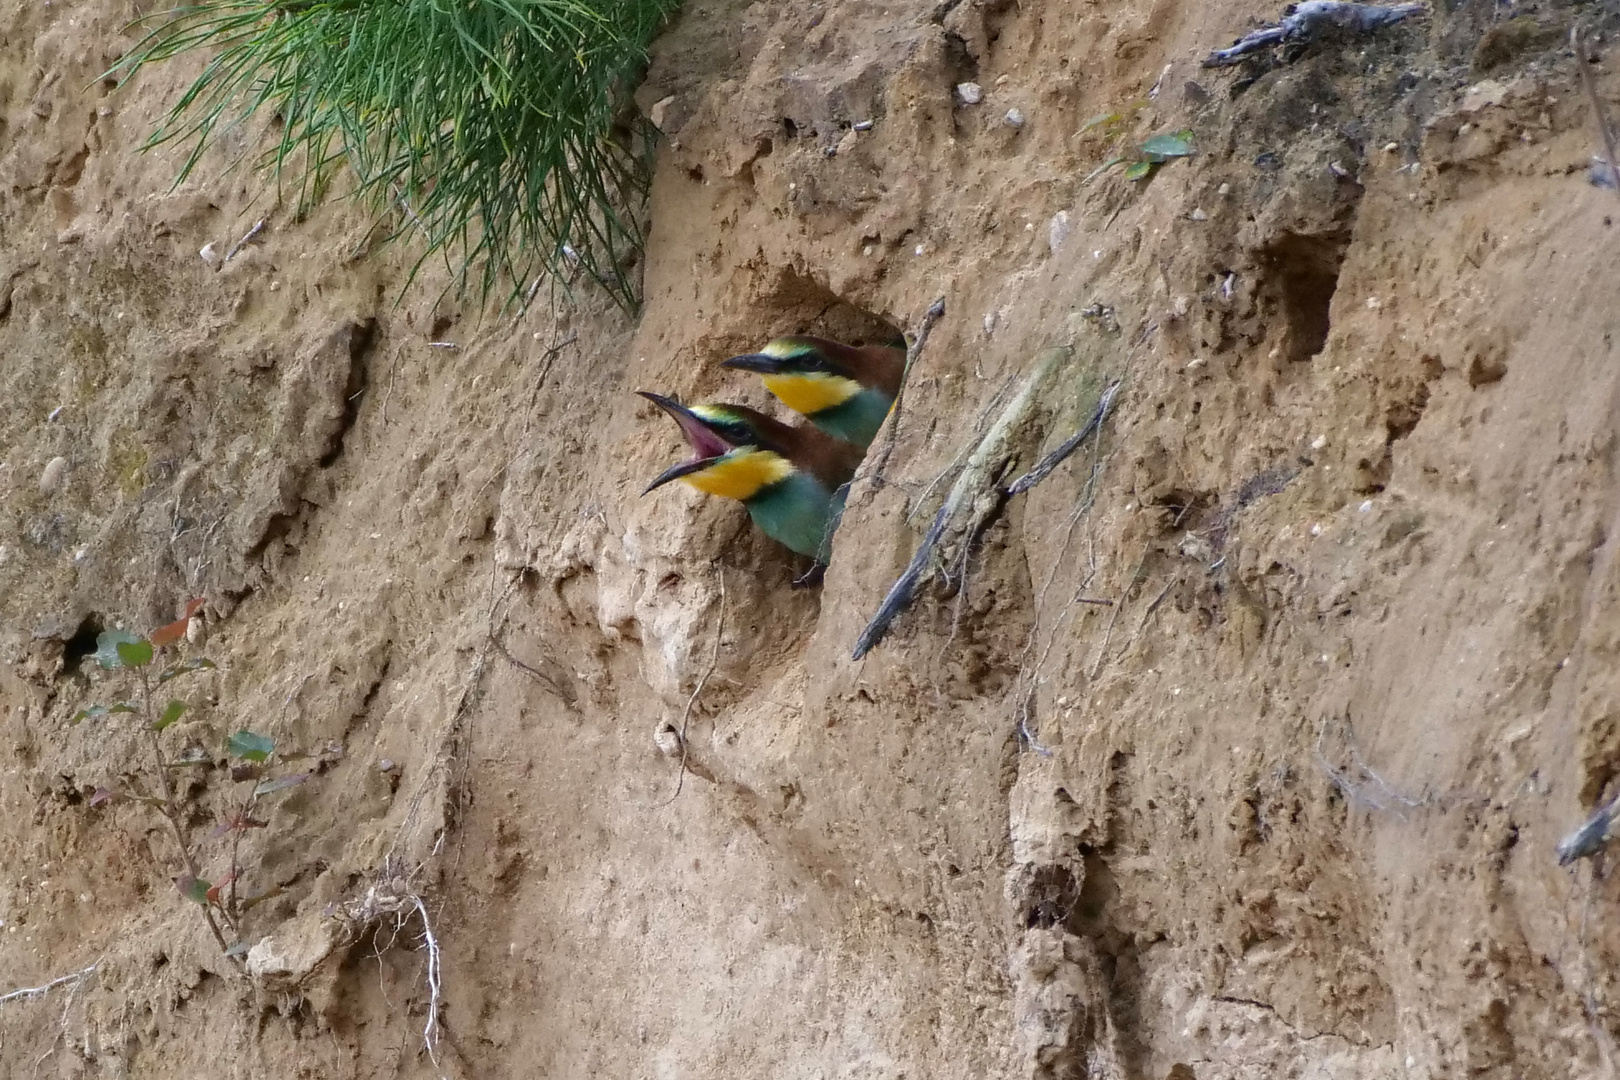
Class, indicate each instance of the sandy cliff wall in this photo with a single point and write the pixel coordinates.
(1237, 747)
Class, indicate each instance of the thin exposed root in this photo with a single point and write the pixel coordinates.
(28, 993)
(703, 680)
(935, 312)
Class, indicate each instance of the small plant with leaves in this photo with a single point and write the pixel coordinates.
(1142, 159)
(249, 754)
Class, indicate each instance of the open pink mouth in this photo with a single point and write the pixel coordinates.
(706, 445)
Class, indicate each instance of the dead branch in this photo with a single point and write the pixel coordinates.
(1577, 41)
(1057, 457)
(975, 498)
(1310, 20)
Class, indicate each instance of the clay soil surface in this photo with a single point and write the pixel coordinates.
(1239, 746)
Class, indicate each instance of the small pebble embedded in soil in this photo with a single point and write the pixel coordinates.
(54, 475)
(971, 93)
(1198, 214)
(1014, 118)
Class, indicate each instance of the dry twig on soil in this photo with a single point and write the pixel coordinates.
(703, 680)
(1577, 42)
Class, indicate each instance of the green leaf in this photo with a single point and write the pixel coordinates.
(171, 712)
(1101, 118)
(196, 663)
(107, 643)
(137, 653)
(246, 744)
(1104, 167)
(96, 712)
(194, 889)
(280, 783)
(1139, 169)
(1165, 147)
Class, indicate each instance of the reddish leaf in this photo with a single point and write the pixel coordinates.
(168, 634)
(212, 895)
(173, 632)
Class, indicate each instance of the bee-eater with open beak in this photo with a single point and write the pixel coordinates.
(791, 479)
(845, 390)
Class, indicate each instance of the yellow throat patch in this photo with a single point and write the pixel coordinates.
(810, 393)
(741, 474)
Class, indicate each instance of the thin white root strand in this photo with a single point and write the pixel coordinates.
(430, 1031)
(31, 992)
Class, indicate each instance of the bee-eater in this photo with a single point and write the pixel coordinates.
(791, 479)
(845, 390)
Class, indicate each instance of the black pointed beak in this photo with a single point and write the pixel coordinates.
(759, 363)
(700, 436)
(675, 472)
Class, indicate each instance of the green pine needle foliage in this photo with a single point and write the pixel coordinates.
(498, 131)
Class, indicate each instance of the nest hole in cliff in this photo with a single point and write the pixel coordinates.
(82, 643)
(1299, 273)
(781, 302)
(787, 301)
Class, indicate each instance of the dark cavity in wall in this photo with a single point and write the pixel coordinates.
(1300, 276)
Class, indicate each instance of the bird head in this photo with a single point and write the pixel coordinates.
(732, 456)
(802, 373)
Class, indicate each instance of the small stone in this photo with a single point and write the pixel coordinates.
(1198, 215)
(51, 419)
(387, 765)
(1014, 118)
(54, 475)
(862, 125)
(208, 254)
(1195, 363)
(1392, 148)
(196, 632)
(1316, 530)
(1366, 506)
(660, 108)
(1464, 130)
(1338, 170)
(1058, 230)
(668, 740)
(1224, 189)
(104, 110)
(1319, 443)
(971, 93)
(989, 323)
